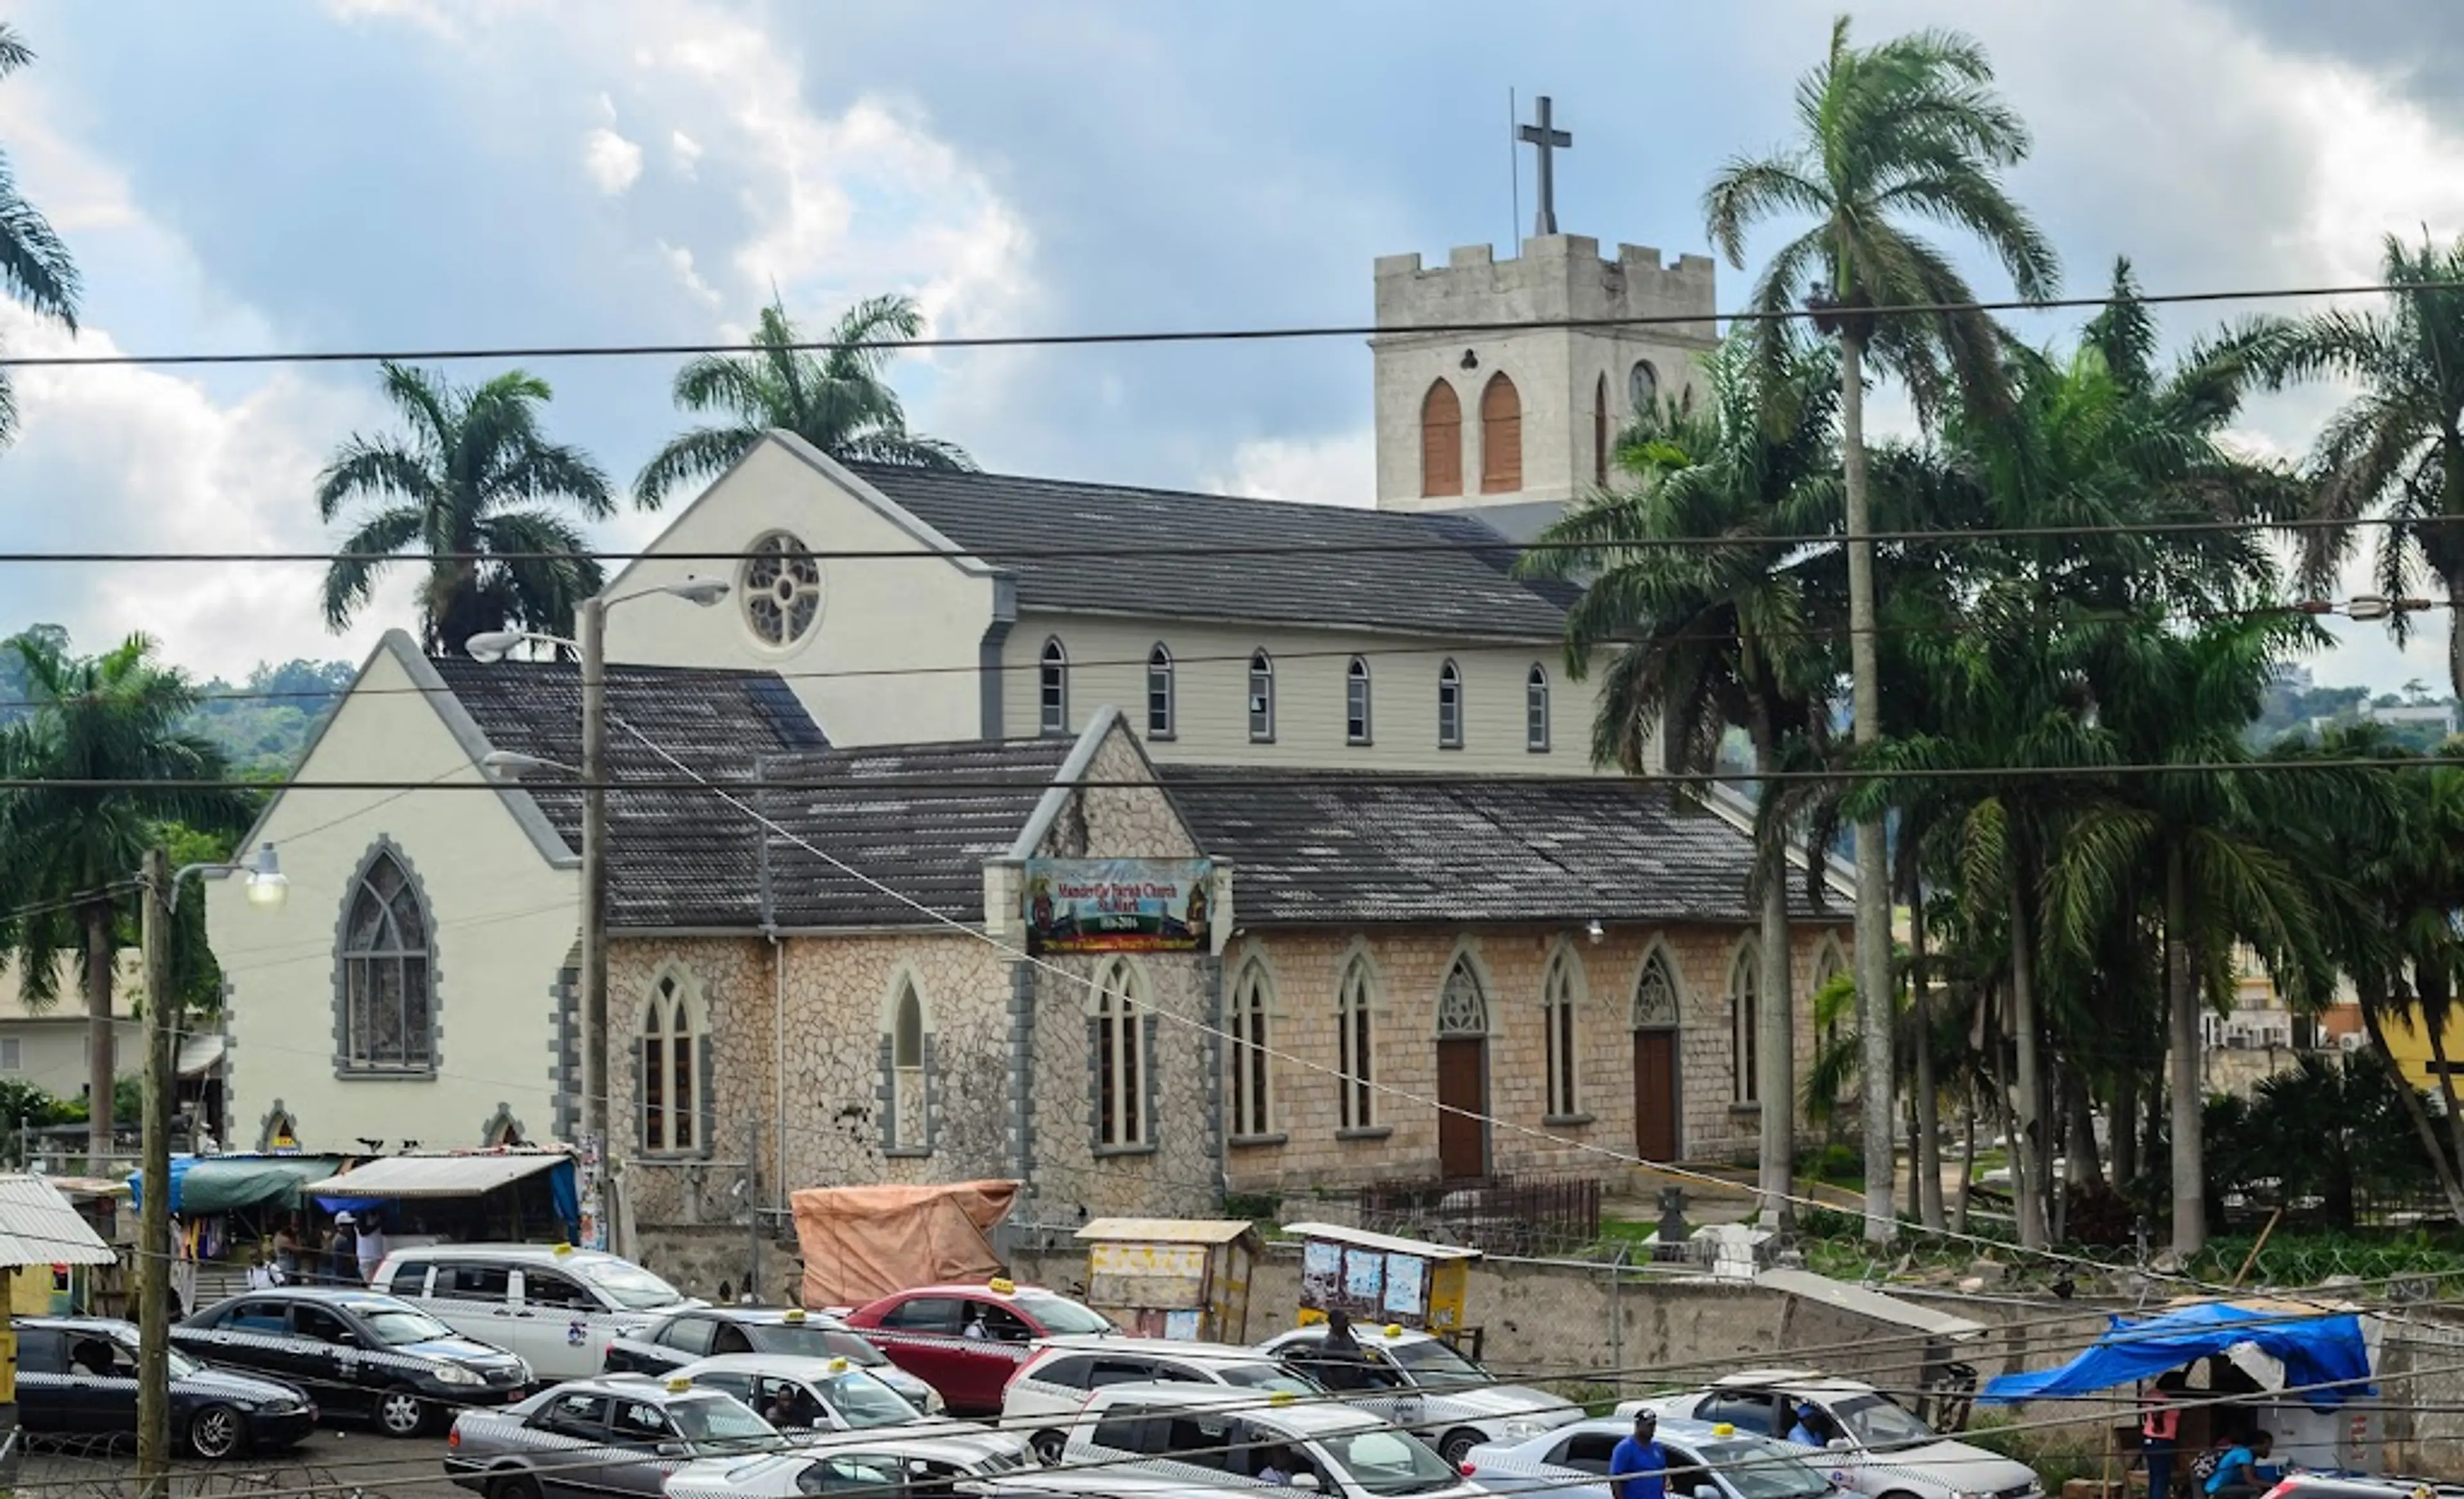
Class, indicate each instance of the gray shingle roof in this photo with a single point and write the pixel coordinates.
(1308, 849)
(1452, 592)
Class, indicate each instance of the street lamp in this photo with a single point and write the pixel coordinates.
(267, 886)
(495, 645)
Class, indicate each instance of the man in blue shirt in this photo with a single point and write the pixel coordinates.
(1638, 1468)
(2236, 1475)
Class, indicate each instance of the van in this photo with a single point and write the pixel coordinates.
(557, 1306)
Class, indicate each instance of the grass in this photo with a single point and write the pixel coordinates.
(2056, 1456)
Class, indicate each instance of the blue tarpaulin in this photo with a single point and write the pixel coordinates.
(2325, 1349)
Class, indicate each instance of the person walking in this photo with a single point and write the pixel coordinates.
(1639, 1467)
(372, 1250)
(2160, 1432)
(343, 1252)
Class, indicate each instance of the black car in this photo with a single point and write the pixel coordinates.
(78, 1376)
(708, 1331)
(360, 1351)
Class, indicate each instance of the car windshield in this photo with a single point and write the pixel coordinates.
(863, 1401)
(1270, 1377)
(805, 1340)
(181, 1365)
(395, 1328)
(1876, 1422)
(1058, 1314)
(1764, 1470)
(1387, 1461)
(1436, 1365)
(720, 1420)
(633, 1287)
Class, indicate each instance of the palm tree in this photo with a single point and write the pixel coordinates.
(70, 855)
(35, 264)
(1707, 637)
(473, 488)
(838, 401)
(2397, 449)
(1908, 129)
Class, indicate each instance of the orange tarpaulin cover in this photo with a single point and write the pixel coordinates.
(864, 1243)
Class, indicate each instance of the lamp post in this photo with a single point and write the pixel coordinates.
(159, 889)
(592, 648)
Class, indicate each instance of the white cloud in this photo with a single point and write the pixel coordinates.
(687, 152)
(1340, 470)
(612, 163)
(681, 261)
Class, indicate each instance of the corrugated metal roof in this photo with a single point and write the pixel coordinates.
(1166, 1230)
(1867, 1302)
(436, 1176)
(1363, 1238)
(37, 1227)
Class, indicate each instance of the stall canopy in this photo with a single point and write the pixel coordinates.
(201, 1184)
(861, 1243)
(37, 1227)
(397, 1178)
(2326, 1350)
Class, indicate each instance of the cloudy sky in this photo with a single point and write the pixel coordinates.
(265, 174)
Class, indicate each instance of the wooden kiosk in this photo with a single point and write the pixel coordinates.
(1172, 1277)
(1378, 1279)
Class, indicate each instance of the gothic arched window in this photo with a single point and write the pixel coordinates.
(1441, 441)
(388, 970)
(1501, 436)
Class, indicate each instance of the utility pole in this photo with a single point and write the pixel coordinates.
(154, 1250)
(596, 1142)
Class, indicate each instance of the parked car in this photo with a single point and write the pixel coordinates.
(1704, 1462)
(77, 1376)
(559, 1308)
(2345, 1486)
(1420, 1382)
(708, 1332)
(1043, 1398)
(799, 1395)
(1883, 1450)
(1200, 1434)
(617, 1434)
(358, 1351)
(966, 1341)
(878, 1464)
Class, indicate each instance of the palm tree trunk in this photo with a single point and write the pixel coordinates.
(100, 1068)
(2456, 612)
(2126, 1126)
(1966, 1160)
(2086, 1162)
(1776, 1049)
(2028, 1184)
(2436, 1009)
(2373, 1020)
(1873, 868)
(1927, 1147)
(2182, 1012)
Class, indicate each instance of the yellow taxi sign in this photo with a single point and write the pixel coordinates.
(1282, 1397)
(679, 1386)
(794, 1315)
(1724, 1429)
(1003, 1286)
(837, 1366)
(565, 1248)
(1394, 1330)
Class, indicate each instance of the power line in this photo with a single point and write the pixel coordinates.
(1271, 334)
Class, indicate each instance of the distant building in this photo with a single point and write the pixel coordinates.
(2440, 716)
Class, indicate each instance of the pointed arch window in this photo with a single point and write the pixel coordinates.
(1450, 707)
(674, 1069)
(1828, 965)
(388, 1022)
(1535, 709)
(1441, 441)
(1124, 1120)
(1557, 1016)
(1655, 993)
(1356, 701)
(1463, 1004)
(1501, 436)
(1052, 688)
(1262, 698)
(1354, 1055)
(1252, 1079)
(1745, 985)
(1600, 431)
(1160, 704)
(907, 1120)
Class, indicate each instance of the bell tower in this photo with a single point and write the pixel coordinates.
(1515, 422)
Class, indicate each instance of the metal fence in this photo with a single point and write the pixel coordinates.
(1529, 1215)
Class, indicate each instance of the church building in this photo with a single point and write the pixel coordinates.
(1439, 942)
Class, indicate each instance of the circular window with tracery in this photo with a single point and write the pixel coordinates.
(780, 584)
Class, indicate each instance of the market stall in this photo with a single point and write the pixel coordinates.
(1172, 1277)
(1378, 1278)
(860, 1244)
(519, 1194)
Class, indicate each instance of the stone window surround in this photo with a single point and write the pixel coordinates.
(502, 1126)
(1564, 959)
(903, 983)
(343, 1070)
(1133, 991)
(692, 1007)
(1263, 1012)
(1744, 960)
(267, 1130)
(1372, 1003)
(1466, 956)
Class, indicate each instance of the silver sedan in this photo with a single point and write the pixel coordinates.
(1704, 1462)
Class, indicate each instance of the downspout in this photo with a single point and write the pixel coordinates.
(778, 984)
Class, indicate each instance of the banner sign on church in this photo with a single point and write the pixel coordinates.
(1119, 905)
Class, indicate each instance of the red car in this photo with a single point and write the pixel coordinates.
(966, 1341)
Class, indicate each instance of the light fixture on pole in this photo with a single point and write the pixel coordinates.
(591, 619)
(1595, 931)
(159, 887)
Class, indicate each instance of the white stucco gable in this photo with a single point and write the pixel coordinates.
(879, 651)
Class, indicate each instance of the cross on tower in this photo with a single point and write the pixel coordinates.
(1545, 136)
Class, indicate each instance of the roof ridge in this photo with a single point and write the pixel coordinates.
(1418, 520)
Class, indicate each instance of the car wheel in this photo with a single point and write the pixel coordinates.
(217, 1431)
(1046, 1447)
(1458, 1446)
(513, 1486)
(400, 1413)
